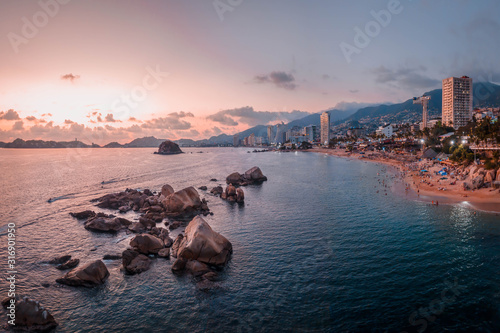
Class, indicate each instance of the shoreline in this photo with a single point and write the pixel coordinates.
(483, 199)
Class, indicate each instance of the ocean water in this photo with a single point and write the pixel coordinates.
(322, 246)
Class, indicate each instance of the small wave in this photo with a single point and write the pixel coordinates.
(62, 197)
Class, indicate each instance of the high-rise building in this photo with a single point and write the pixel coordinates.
(310, 132)
(236, 140)
(280, 133)
(325, 128)
(270, 136)
(251, 140)
(457, 101)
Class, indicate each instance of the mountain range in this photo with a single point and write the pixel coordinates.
(486, 94)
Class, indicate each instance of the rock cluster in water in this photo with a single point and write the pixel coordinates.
(168, 148)
(252, 176)
(201, 251)
(167, 203)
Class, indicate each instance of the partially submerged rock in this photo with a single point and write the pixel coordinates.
(83, 215)
(146, 244)
(251, 176)
(106, 223)
(134, 262)
(233, 194)
(168, 148)
(203, 244)
(111, 257)
(164, 253)
(31, 316)
(59, 260)
(72, 263)
(90, 275)
(218, 190)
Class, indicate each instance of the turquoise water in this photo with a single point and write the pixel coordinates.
(316, 248)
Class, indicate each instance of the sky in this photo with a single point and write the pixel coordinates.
(115, 70)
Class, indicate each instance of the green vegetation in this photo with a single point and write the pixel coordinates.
(486, 131)
(461, 153)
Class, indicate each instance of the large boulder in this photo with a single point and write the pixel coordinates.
(90, 275)
(107, 223)
(166, 190)
(255, 175)
(234, 178)
(31, 316)
(134, 262)
(490, 176)
(203, 244)
(168, 148)
(146, 244)
(183, 202)
(251, 176)
(466, 186)
(240, 195)
(477, 182)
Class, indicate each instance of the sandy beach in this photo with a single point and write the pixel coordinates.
(427, 187)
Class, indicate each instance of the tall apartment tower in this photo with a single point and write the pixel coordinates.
(270, 135)
(325, 128)
(457, 101)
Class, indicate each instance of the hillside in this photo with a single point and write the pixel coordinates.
(485, 95)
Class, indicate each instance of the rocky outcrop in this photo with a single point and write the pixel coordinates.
(168, 148)
(90, 275)
(155, 207)
(185, 202)
(134, 263)
(31, 316)
(146, 244)
(106, 223)
(251, 176)
(203, 244)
